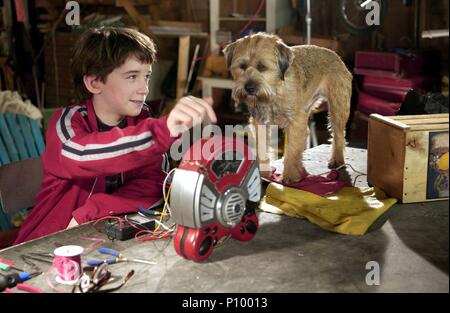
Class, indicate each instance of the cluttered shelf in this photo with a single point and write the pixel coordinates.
(241, 19)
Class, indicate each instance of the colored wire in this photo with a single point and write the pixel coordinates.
(97, 243)
(155, 233)
(261, 4)
(164, 189)
(107, 218)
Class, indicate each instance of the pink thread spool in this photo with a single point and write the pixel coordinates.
(67, 263)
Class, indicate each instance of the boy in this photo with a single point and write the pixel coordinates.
(106, 155)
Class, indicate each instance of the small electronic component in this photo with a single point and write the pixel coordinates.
(123, 229)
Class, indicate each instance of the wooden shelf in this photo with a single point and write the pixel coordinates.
(276, 13)
(177, 33)
(241, 19)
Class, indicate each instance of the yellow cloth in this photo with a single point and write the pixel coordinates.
(349, 211)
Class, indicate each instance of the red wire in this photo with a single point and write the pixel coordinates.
(107, 218)
(141, 231)
(253, 17)
(153, 237)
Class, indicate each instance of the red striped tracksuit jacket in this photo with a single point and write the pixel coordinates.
(77, 159)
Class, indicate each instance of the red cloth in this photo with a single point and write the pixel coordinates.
(318, 185)
(369, 104)
(77, 160)
(21, 13)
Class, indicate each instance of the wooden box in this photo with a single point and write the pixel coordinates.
(408, 156)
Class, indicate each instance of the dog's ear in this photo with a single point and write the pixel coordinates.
(228, 52)
(285, 57)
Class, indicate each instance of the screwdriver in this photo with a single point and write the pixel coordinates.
(119, 258)
(11, 280)
(7, 265)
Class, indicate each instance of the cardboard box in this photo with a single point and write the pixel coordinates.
(408, 156)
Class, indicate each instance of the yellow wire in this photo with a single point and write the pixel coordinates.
(164, 209)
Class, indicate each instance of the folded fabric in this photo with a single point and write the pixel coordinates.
(316, 184)
(350, 211)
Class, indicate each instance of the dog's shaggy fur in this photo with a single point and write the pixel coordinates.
(280, 84)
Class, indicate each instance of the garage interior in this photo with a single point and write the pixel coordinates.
(306, 242)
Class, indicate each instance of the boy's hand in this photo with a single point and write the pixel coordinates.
(188, 112)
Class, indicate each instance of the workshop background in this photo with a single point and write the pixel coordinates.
(400, 69)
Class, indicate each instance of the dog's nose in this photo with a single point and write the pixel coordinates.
(250, 87)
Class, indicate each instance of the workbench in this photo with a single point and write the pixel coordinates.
(287, 254)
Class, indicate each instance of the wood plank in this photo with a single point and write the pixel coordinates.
(18, 137)
(5, 134)
(421, 116)
(4, 157)
(177, 24)
(385, 157)
(216, 82)
(388, 120)
(416, 161)
(135, 16)
(424, 121)
(443, 126)
(38, 137)
(26, 131)
(183, 63)
(415, 122)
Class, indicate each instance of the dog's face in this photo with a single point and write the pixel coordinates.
(258, 64)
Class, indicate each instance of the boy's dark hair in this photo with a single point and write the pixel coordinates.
(100, 50)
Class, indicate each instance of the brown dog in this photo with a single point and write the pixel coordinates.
(280, 84)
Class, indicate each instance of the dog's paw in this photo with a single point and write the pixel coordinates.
(333, 164)
(266, 174)
(292, 177)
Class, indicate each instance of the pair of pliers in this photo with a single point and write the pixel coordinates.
(118, 258)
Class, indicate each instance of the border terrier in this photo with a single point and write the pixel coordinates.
(280, 85)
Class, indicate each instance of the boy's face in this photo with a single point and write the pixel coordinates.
(124, 91)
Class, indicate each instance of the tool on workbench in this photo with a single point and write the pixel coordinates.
(118, 258)
(37, 256)
(25, 288)
(7, 265)
(11, 280)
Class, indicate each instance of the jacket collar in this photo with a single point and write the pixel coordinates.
(92, 118)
